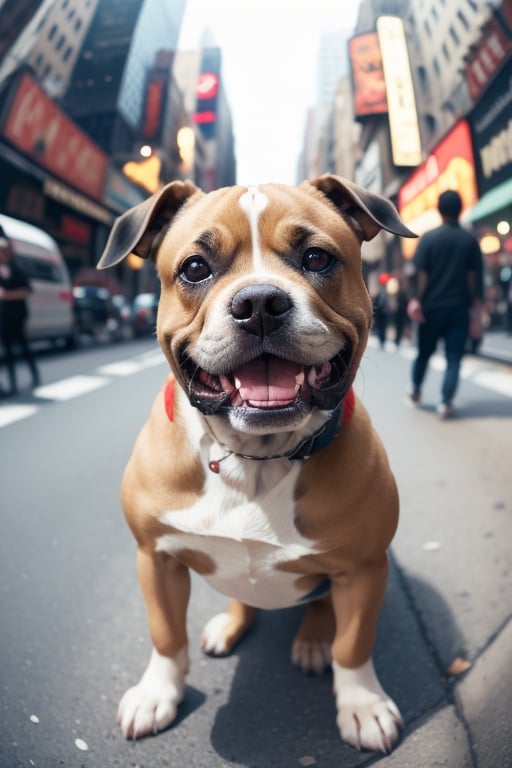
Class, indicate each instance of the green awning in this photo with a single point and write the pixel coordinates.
(492, 201)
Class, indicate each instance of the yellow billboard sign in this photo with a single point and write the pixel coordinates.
(403, 117)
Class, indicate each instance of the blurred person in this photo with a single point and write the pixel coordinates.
(381, 309)
(449, 269)
(397, 308)
(14, 291)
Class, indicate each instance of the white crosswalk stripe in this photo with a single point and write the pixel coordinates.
(12, 413)
(79, 385)
(67, 389)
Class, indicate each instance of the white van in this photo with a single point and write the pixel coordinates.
(51, 315)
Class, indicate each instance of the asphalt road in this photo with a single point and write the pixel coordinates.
(73, 631)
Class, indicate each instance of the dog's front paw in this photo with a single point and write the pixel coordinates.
(216, 633)
(151, 705)
(367, 717)
(224, 630)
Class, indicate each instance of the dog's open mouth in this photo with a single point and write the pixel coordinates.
(270, 383)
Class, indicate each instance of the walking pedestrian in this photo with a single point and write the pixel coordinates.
(448, 264)
(381, 309)
(14, 291)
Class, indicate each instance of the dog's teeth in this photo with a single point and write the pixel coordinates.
(317, 373)
(312, 376)
(299, 380)
(226, 384)
(238, 383)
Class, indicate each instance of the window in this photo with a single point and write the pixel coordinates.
(60, 43)
(422, 77)
(38, 269)
(427, 28)
(68, 52)
(437, 68)
(431, 123)
(52, 32)
(454, 35)
(446, 52)
(464, 22)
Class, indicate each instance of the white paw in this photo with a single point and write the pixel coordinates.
(215, 634)
(311, 655)
(151, 705)
(367, 717)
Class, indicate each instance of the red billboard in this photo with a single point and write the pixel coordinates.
(36, 126)
(368, 81)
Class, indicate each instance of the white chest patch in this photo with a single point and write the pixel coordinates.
(247, 539)
(254, 202)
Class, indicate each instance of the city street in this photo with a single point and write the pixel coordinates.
(74, 633)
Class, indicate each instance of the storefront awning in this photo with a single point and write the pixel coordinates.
(492, 201)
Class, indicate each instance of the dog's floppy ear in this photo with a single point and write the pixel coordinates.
(369, 211)
(135, 231)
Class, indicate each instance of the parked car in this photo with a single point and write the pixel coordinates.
(144, 312)
(123, 313)
(96, 313)
(50, 305)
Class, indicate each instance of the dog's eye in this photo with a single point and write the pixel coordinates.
(195, 269)
(316, 260)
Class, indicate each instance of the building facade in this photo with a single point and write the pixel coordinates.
(73, 98)
(456, 81)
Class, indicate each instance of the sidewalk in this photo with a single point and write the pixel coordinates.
(451, 559)
(497, 345)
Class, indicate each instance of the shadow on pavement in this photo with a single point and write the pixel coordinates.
(277, 716)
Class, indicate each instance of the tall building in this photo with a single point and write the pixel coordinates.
(332, 65)
(14, 17)
(320, 142)
(75, 100)
(441, 35)
(106, 94)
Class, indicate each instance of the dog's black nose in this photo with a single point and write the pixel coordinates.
(260, 309)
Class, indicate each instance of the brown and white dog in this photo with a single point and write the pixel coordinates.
(259, 470)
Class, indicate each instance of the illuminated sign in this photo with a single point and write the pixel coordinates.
(201, 118)
(403, 118)
(450, 166)
(207, 85)
(367, 75)
(207, 93)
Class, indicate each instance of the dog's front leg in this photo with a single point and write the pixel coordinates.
(367, 717)
(151, 705)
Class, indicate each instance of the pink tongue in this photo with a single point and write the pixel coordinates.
(268, 381)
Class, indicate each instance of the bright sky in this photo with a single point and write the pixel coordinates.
(269, 68)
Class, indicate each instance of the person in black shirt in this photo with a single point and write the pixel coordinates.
(448, 261)
(14, 291)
